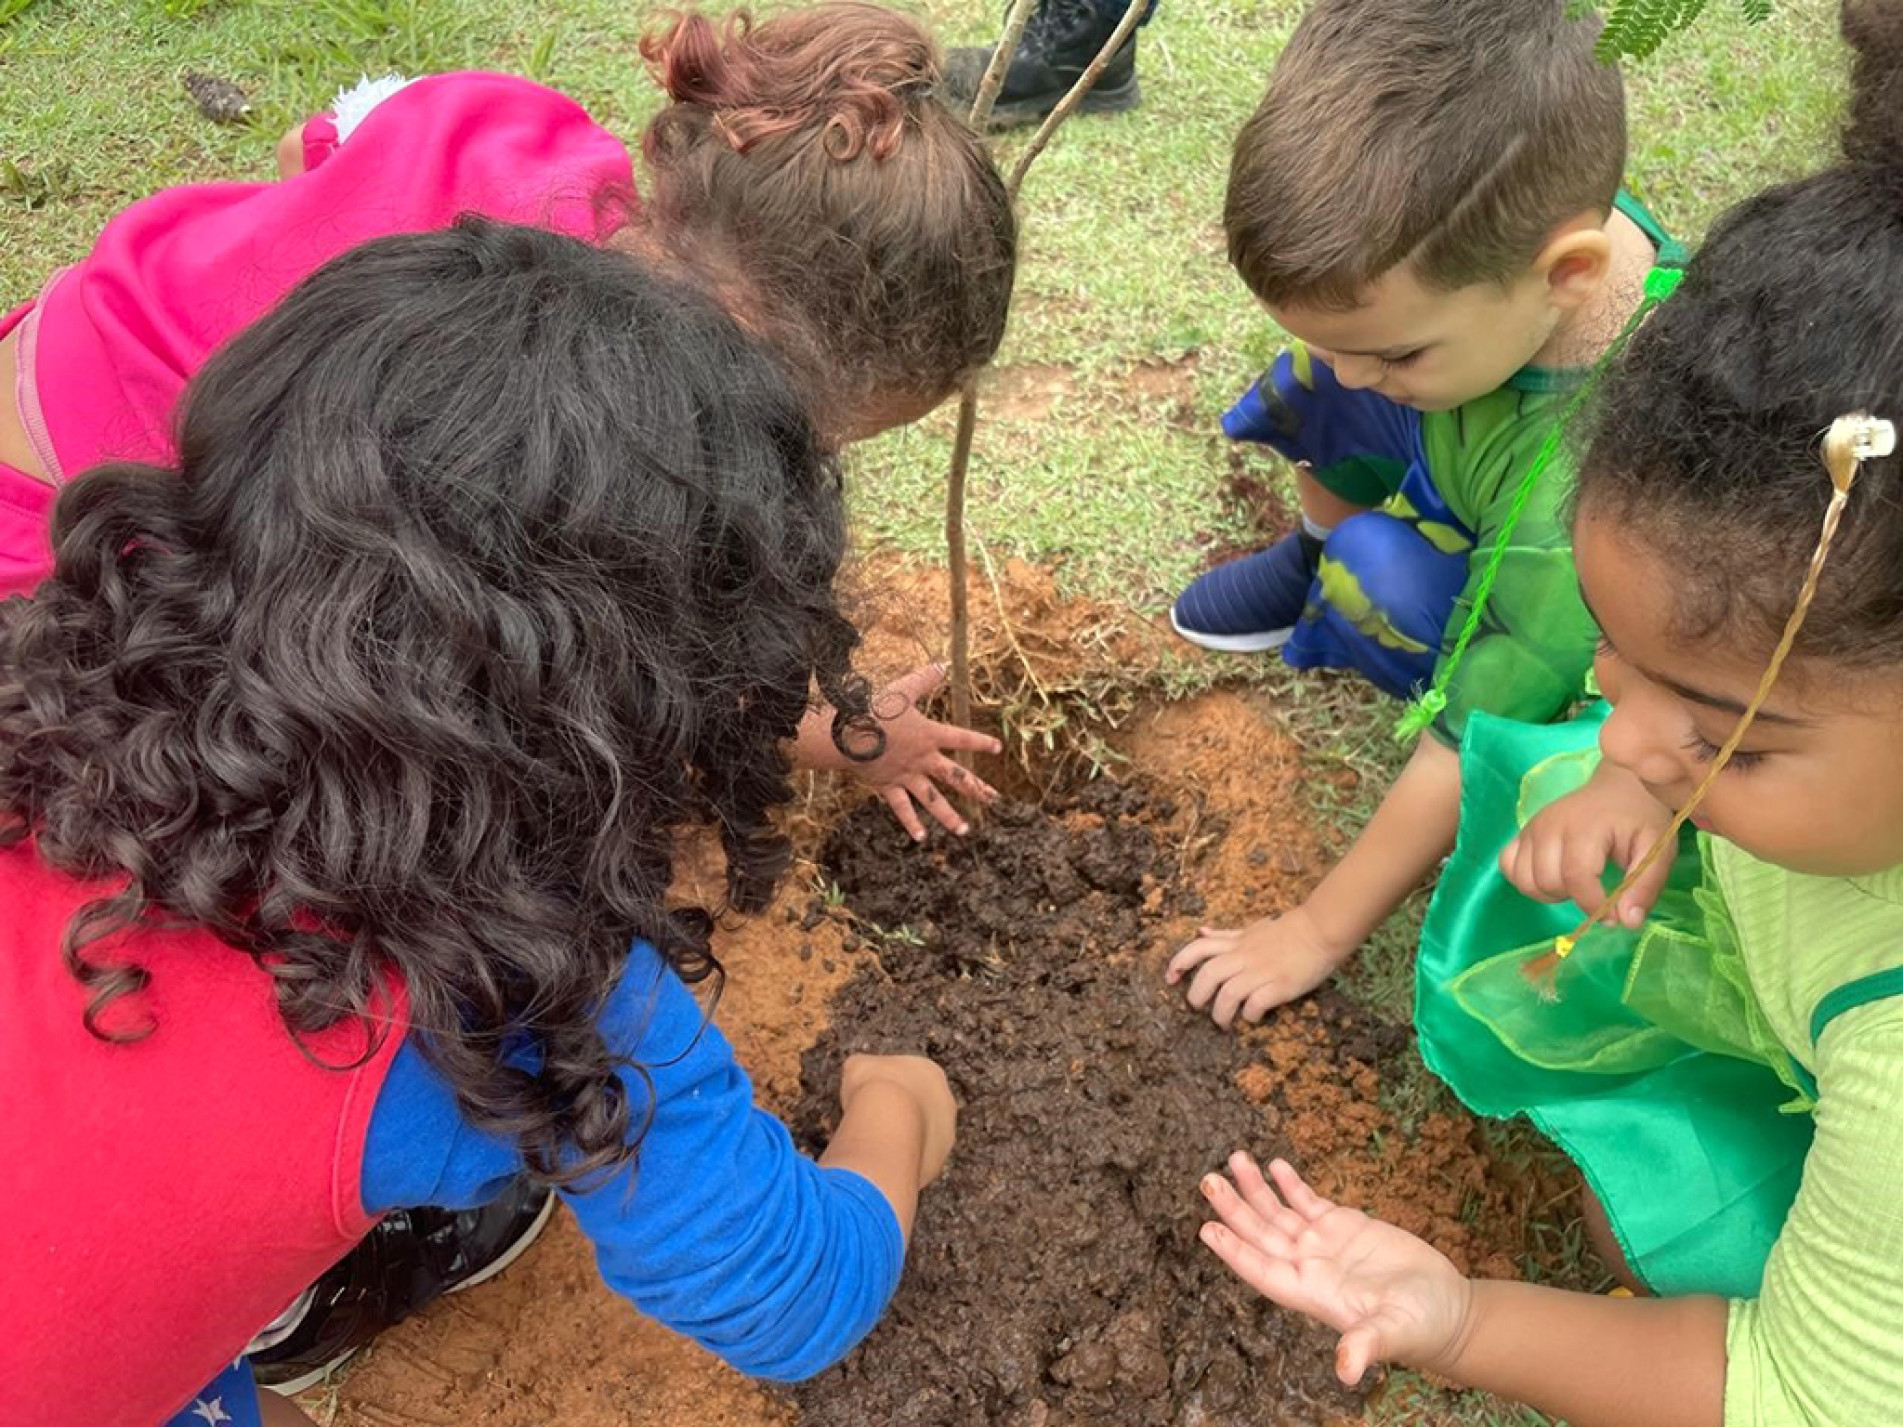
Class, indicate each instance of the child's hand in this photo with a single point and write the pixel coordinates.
(1391, 1296)
(914, 763)
(1562, 853)
(1252, 971)
(290, 152)
(924, 1084)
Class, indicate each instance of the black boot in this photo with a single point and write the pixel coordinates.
(1060, 41)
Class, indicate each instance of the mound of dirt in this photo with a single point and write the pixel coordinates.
(1056, 1279)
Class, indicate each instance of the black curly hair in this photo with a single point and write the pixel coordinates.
(1707, 438)
(489, 564)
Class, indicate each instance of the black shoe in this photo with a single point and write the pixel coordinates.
(1060, 40)
(410, 1258)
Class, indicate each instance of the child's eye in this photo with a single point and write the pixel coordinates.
(1704, 751)
(1406, 359)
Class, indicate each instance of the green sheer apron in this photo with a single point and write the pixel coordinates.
(1654, 1067)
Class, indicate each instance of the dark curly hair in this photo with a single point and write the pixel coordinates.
(490, 563)
(1707, 440)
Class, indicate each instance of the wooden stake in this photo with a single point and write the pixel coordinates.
(1001, 55)
(955, 554)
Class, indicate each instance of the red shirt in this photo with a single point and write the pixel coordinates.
(164, 1198)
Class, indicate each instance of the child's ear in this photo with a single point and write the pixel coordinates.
(1574, 263)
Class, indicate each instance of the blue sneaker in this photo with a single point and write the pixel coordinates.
(1252, 604)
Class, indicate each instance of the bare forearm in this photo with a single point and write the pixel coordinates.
(1404, 841)
(1597, 1362)
(882, 1138)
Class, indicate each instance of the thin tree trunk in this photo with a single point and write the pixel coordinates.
(1086, 81)
(1006, 47)
(981, 107)
(955, 554)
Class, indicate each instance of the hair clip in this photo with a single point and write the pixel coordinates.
(1873, 437)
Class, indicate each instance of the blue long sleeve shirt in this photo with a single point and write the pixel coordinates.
(722, 1230)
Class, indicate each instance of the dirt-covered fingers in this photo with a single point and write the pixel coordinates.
(1209, 942)
(1234, 981)
(1259, 1229)
(1270, 1274)
(1295, 1192)
(968, 740)
(900, 801)
(925, 792)
(962, 781)
(1256, 1192)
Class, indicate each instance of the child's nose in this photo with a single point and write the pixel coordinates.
(1356, 373)
(1640, 745)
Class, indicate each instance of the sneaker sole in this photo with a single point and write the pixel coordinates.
(305, 1381)
(1259, 643)
(310, 1379)
(1012, 114)
(510, 1254)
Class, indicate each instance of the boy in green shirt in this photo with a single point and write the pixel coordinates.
(1428, 198)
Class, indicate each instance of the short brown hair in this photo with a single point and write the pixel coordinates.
(1452, 134)
(807, 158)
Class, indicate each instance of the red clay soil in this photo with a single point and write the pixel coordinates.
(546, 1343)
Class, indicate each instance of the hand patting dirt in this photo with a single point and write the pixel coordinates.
(1056, 1279)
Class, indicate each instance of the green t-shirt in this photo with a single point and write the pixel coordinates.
(1822, 1343)
(1533, 650)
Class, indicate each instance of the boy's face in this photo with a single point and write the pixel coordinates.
(1429, 349)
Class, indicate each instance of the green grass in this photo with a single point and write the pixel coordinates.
(1118, 485)
(1123, 252)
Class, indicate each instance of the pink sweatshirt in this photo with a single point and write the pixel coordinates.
(110, 343)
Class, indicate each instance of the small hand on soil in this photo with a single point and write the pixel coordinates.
(1056, 1277)
(917, 768)
(1392, 1296)
(1251, 971)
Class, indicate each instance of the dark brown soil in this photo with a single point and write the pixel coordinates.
(1056, 1280)
(1062, 1012)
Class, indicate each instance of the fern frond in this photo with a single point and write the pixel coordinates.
(1636, 28)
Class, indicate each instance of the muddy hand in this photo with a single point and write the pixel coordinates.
(1391, 1296)
(916, 769)
(1251, 971)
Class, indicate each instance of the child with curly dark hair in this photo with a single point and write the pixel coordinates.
(800, 171)
(1722, 1054)
(343, 759)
